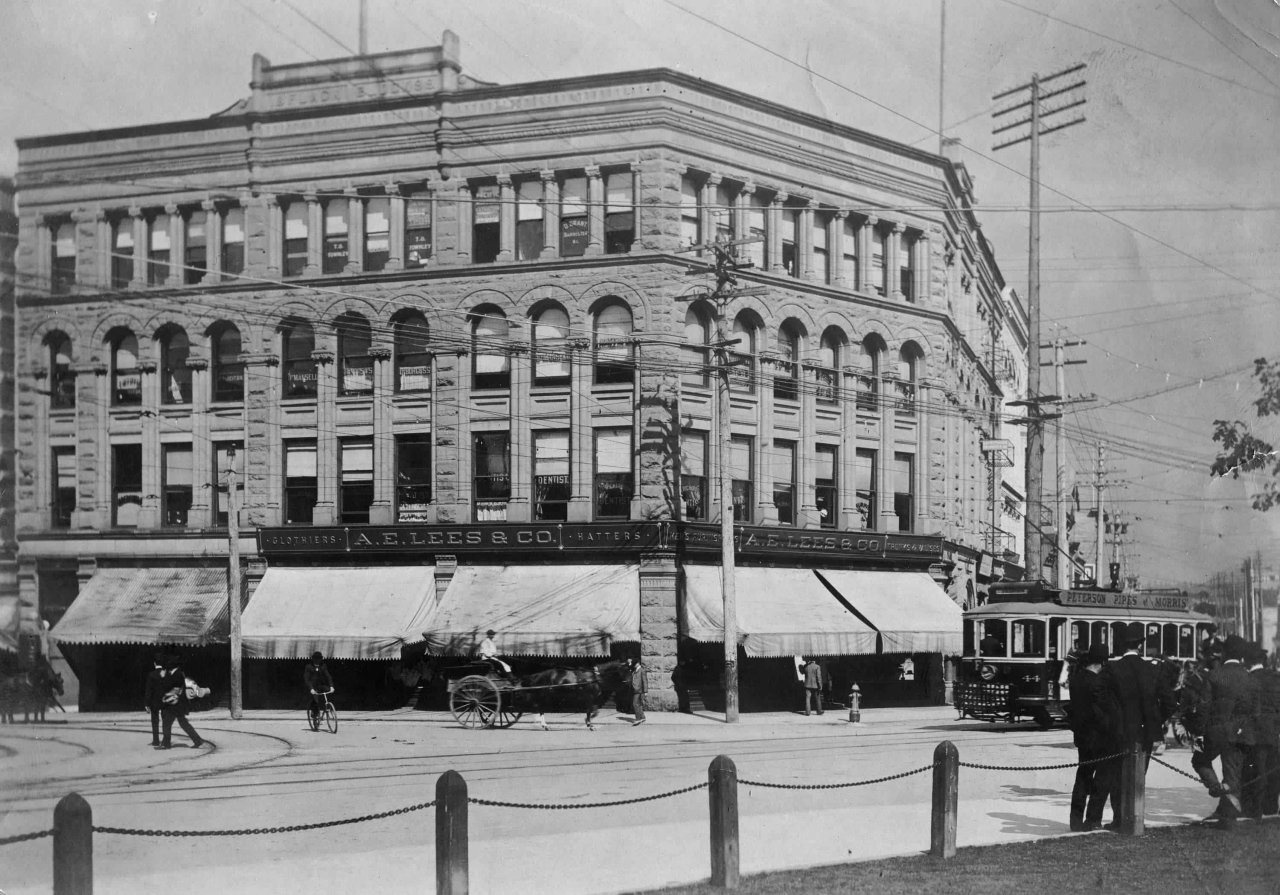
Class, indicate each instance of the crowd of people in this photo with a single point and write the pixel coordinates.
(1228, 701)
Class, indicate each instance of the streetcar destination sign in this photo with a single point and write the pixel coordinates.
(1112, 600)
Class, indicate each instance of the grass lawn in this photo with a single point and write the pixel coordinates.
(1241, 861)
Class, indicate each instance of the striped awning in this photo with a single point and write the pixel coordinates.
(909, 610)
(182, 606)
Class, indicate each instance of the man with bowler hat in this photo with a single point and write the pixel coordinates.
(151, 694)
(1142, 701)
(1233, 706)
(1093, 727)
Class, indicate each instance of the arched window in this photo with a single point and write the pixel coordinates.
(615, 355)
(696, 360)
(62, 382)
(297, 342)
(786, 383)
(742, 373)
(413, 359)
(228, 367)
(869, 379)
(551, 346)
(830, 356)
(908, 371)
(355, 367)
(175, 375)
(126, 379)
(491, 365)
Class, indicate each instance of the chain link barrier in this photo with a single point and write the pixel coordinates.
(1176, 770)
(25, 837)
(1039, 767)
(125, 831)
(543, 806)
(927, 767)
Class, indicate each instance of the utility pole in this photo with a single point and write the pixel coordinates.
(1098, 507)
(1035, 425)
(234, 590)
(1064, 562)
(942, 77)
(364, 27)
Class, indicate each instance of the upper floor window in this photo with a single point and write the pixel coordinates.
(902, 477)
(690, 211)
(195, 259)
(300, 491)
(64, 258)
(233, 241)
(615, 355)
(613, 477)
(228, 463)
(827, 373)
(126, 378)
(905, 268)
(377, 233)
(693, 475)
(551, 346)
(64, 486)
(784, 480)
(879, 277)
(619, 212)
(575, 230)
(336, 248)
(121, 252)
(298, 341)
(790, 241)
(742, 473)
(696, 361)
(908, 369)
(742, 356)
(491, 364)
(722, 217)
(486, 224)
(126, 485)
(870, 351)
(355, 491)
(491, 482)
(530, 236)
(158, 246)
(413, 477)
(175, 381)
(62, 381)
(821, 256)
(413, 358)
(296, 225)
(825, 486)
(786, 384)
(417, 231)
(864, 483)
(228, 366)
(849, 249)
(355, 366)
(177, 487)
(551, 488)
(756, 252)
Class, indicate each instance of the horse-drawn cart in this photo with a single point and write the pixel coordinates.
(495, 699)
(483, 700)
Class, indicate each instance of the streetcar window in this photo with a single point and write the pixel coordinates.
(1118, 635)
(994, 638)
(1186, 642)
(1055, 636)
(968, 637)
(1028, 638)
(1079, 636)
(1100, 632)
(1169, 639)
(1152, 639)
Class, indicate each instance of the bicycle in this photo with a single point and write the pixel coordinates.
(326, 713)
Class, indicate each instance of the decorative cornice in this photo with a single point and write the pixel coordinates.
(322, 356)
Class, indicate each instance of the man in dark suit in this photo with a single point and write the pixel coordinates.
(151, 696)
(1093, 729)
(1233, 707)
(1262, 772)
(1142, 702)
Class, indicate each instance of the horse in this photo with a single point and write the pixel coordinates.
(30, 693)
(582, 688)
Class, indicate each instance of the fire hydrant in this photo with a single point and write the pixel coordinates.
(855, 704)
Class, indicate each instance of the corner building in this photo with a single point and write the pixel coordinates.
(453, 340)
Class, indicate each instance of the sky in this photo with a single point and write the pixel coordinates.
(1161, 211)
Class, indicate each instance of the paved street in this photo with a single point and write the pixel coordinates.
(269, 770)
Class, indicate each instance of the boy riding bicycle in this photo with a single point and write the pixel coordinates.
(318, 681)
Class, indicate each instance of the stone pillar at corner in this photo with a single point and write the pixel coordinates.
(659, 628)
(8, 429)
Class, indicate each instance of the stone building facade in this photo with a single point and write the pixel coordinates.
(389, 296)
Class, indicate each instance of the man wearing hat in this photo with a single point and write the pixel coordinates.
(151, 694)
(1233, 707)
(1142, 701)
(488, 652)
(1093, 727)
(1262, 769)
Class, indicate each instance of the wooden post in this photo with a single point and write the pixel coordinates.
(722, 790)
(235, 589)
(1133, 790)
(451, 834)
(72, 846)
(946, 799)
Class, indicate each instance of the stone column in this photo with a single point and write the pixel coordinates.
(635, 206)
(921, 267)
(595, 211)
(395, 258)
(506, 219)
(444, 224)
(26, 507)
(89, 246)
(464, 206)
(177, 245)
(102, 272)
(202, 459)
(923, 460)
(274, 235)
(453, 440)
(326, 512)
(840, 274)
(804, 243)
(659, 628)
(355, 232)
(581, 439)
(766, 513)
(263, 447)
(806, 499)
(315, 235)
(44, 251)
(520, 507)
(773, 233)
(888, 520)
(212, 241)
(152, 462)
(93, 453)
(382, 510)
(706, 199)
(893, 282)
(139, 247)
(847, 482)
(867, 234)
(550, 215)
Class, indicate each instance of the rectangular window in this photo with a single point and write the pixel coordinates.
(62, 381)
(158, 247)
(693, 474)
(574, 226)
(849, 250)
(355, 490)
(790, 240)
(64, 258)
(300, 491)
(619, 212)
(722, 222)
(64, 486)
(121, 253)
(826, 486)
(417, 231)
(126, 485)
(878, 277)
(742, 472)
(413, 478)
(529, 218)
(821, 257)
(690, 212)
(233, 241)
(864, 483)
(195, 259)
(227, 456)
(336, 231)
(906, 275)
(755, 251)
(296, 220)
(491, 484)
(902, 476)
(486, 224)
(377, 233)
(784, 480)
(551, 476)
(178, 484)
(613, 478)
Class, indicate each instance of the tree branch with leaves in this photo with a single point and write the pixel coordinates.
(1242, 451)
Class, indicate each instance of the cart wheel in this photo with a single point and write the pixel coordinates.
(475, 702)
(507, 715)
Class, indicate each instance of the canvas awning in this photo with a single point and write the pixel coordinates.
(345, 613)
(187, 607)
(781, 612)
(911, 612)
(569, 610)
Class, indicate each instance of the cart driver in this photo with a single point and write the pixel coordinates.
(488, 652)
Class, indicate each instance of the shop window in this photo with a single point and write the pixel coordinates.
(377, 233)
(619, 212)
(337, 247)
(696, 356)
(64, 258)
(177, 487)
(298, 342)
(355, 366)
(121, 252)
(742, 473)
(62, 381)
(413, 478)
(228, 457)
(826, 491)
(413, 359)
(614, 352)
(296, 224)
(902, 475)
(613, 475)
(486, 224)
(64, 486)
(175, 381)
(233, 241)
(126, 378)
(786, 382)
(417, 231)
(195, 257)
(491, 364)
(693, 475)
(355, 484)
(158, 250)
(530, 236)
(784, 480)
(126, 485)
(864, 483)
(690, 211)
(491, 482)
(228, 366)
(300, 489)
(551, 476)
(575, 230)
(551, 347)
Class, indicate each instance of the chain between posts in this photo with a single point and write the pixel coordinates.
(125, 831)
(25, 837)
(1176, 770)
(493, 803)
(927, 767)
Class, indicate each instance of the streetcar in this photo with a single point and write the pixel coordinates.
(1020, 645)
